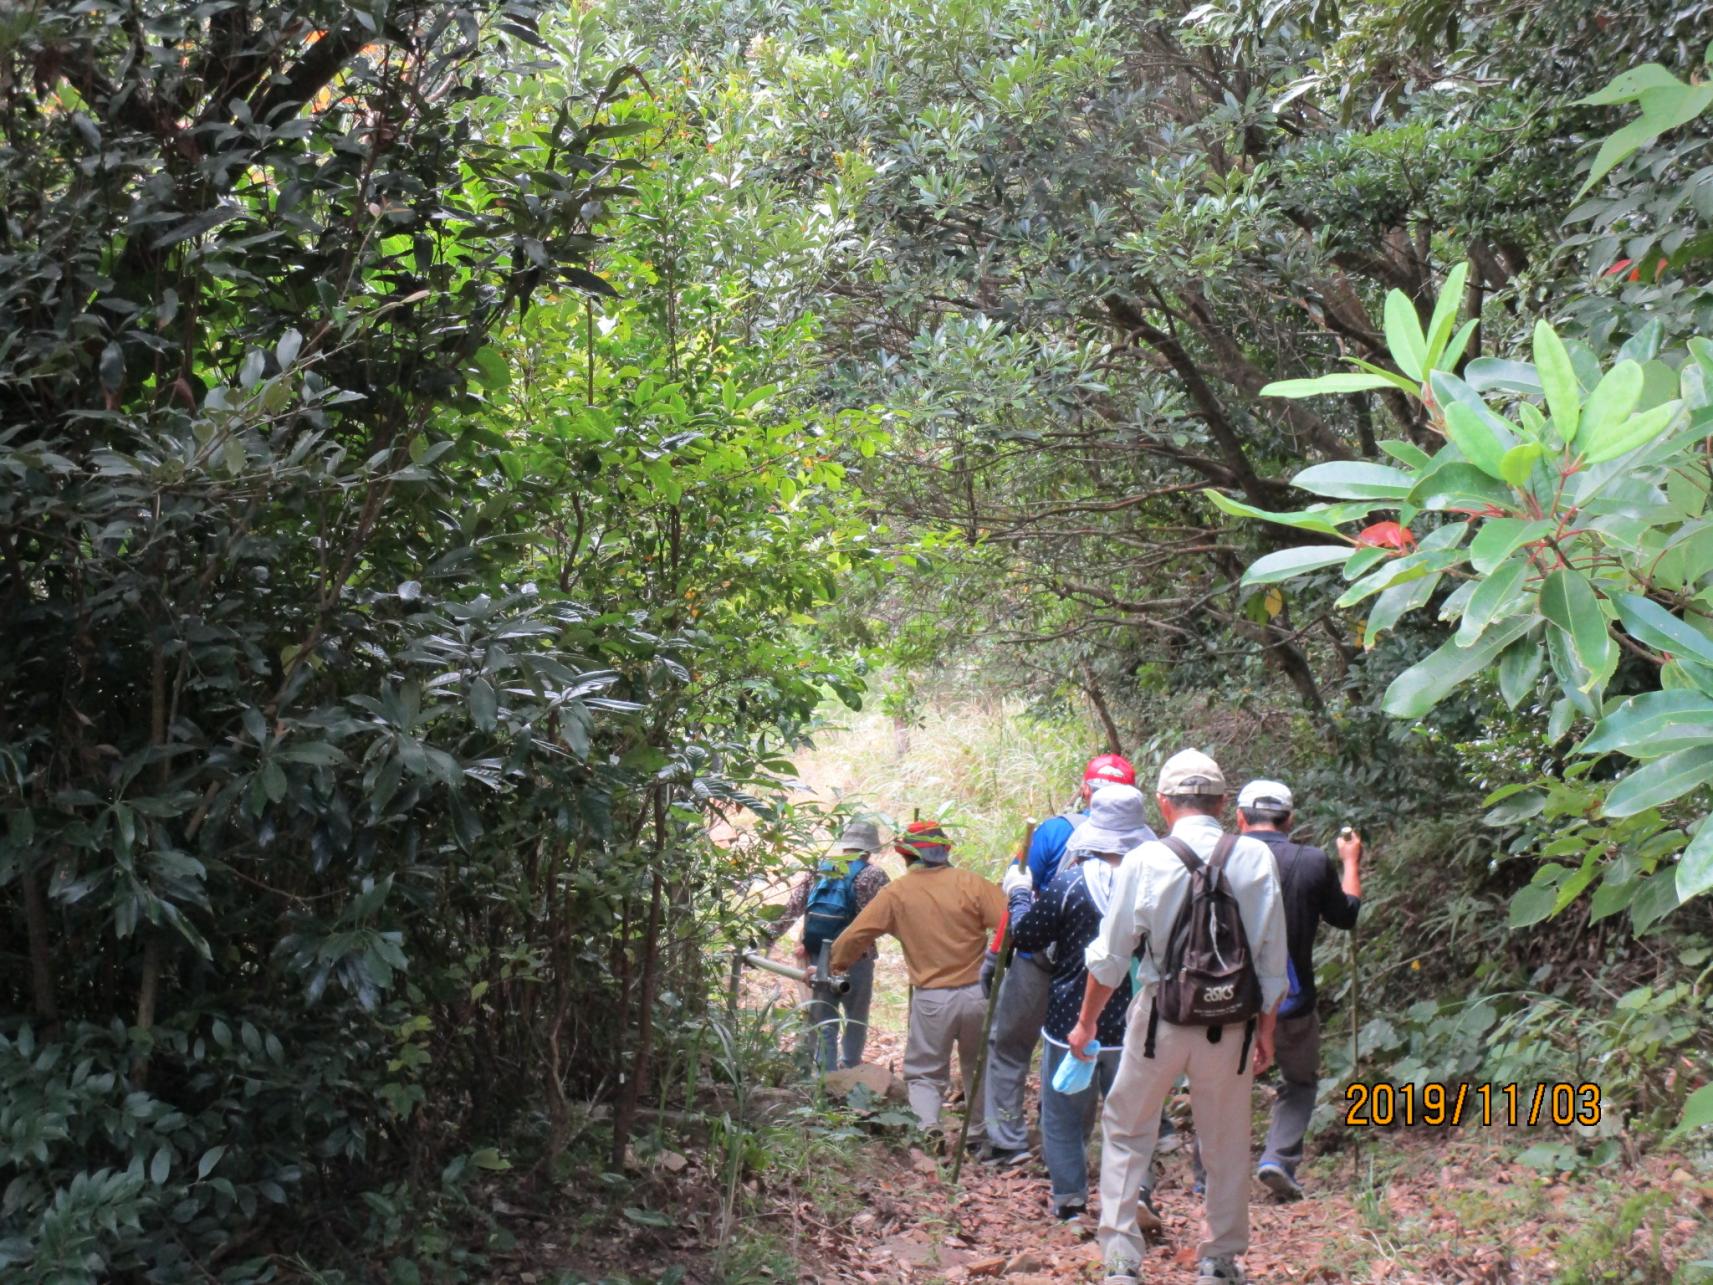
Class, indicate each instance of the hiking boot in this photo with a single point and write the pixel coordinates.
(1121, 1272)
(1070, 1212)
(1148, 1220)
(1007, 1157)
(1277, 1179)
(1219, 1271)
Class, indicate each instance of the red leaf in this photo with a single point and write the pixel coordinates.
(1386, 535)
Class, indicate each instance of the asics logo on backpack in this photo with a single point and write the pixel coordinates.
(1219, 994)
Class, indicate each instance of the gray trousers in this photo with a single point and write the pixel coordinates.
(1017, 1019)
(941, 1019)
(1130, 1125)
(824, 1012)
(1296, 1048)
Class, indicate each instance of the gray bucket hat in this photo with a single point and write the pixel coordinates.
(1116, 822)
(859, 836)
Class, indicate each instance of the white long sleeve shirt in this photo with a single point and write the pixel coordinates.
(1151, 887)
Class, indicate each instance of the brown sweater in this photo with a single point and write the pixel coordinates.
(941, 915)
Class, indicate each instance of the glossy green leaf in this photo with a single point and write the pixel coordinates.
(1607, 442)
(1396, 601)
(1323, 518)
(1454, 350)
(1653, 724)
(1406, 453)
(1697, 1110)
(1499, 594)
(1470, 433)
(1568, 601)
(1660, 782)
(1530, 905)
(1695, 867)
(1653, 626)
(1519, 670)
(1499, 538)
(1338, 382)
(1627, 86)
(1286, 563)
(1558, 380)
(1461, 487)
(1400, 382)
(1518, 464)
(1575, 680)
(1445, 310)
(1353, 480)
(1429, 681)
(1503, 374)
(1611, 403)
(1404, 334)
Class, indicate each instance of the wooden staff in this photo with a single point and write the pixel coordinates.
(999, 968)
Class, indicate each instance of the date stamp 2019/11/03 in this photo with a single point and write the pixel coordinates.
(1383, 1105)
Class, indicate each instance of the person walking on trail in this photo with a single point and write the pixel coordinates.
(828, 901)
(1314, 892)
(1022, 1004)
(1063, 919)
(1206, 911)
(942, 916)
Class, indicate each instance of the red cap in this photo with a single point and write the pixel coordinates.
(1109, 769)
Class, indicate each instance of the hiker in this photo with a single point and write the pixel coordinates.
(828, 901)
(1022, 1004)
(1313, 892)
(941, 915)
(1064, 919)
(1205, 908)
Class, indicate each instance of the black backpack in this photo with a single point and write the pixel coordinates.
(1208, 977)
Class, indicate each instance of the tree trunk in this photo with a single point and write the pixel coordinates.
(1113, 744)
(636, 1083)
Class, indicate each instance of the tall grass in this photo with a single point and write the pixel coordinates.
(978, 763)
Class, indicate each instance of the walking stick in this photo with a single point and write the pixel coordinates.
(987, 1021)
(1355, 1048)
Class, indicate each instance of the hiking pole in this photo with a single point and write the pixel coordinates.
(987, 1021)
(839, 985)
(1355, 1048)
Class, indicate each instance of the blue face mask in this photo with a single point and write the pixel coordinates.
(1074, 1075)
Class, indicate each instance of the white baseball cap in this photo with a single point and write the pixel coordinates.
(1267, 796)
(1191, 772)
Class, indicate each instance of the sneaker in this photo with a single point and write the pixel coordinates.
(1199, 1187)
(1219, 1271)
(1007, 1157)
(1121, 1273)
(1277, 1179)
(1070, 1212)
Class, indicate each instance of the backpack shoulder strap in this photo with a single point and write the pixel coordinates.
(1184, 853)
(1222, 853)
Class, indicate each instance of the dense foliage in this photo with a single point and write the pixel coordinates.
(407, 526)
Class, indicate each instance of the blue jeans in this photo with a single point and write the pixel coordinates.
(1067, 1120)
(824, 1015)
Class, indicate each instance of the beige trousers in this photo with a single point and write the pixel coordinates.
(1130, 1125)
(939, 1019)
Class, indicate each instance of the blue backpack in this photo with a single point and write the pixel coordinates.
(832, 903)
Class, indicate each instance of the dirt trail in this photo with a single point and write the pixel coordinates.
(1414, 1208)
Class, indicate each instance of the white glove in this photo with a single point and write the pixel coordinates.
(1016, 877)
